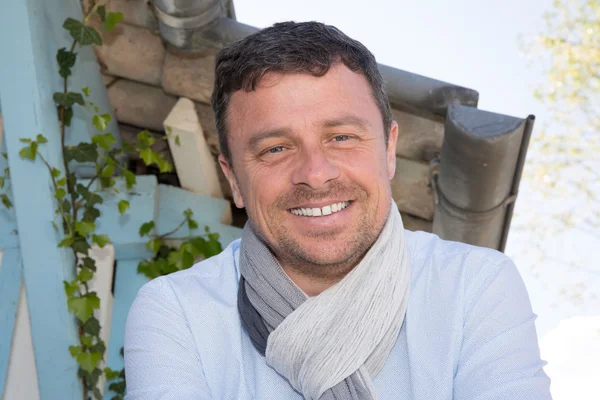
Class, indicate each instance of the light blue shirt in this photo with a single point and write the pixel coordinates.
(468, 334)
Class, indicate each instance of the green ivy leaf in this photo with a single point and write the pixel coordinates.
(83, 307)
(101, 240)
(112, 19)
(101, 11)
(25, 140)
(66, 205)
(88, 361)
(108, 171)
(66, 61)
(29, 152)
(163, 165)
(80, 245)
(111, 374)
(68, 99)
(62, 181)
(144, 139)
(154, 245)
(106, 140)
(181, 259)
(70, 288)
(149, 156)
(86, 91)
(85, 274)
(67, 241)
(56, 173)
(129, 179)
(89, 263)
(123, 206)
(192, 224)
(177, 142)
(75, 350)
(2, 182)
(84, 228)
(67, 115)
(83, 34)
(41, 139)
(100, 122)
(86, 340)
(188, 213)
(92, 326)
(146, 228)
(83, 152)
(90, 214)
(60, 193)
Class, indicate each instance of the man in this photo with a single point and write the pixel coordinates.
(326, 296)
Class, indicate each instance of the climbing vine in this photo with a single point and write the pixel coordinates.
(78, 200)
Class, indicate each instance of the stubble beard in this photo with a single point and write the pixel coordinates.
(293, 254)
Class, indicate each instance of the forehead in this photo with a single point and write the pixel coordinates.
(295, 101)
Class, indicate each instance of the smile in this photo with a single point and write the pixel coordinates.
(319, 212)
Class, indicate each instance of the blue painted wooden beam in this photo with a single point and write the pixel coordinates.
(127, 284)
(27, 82)
(8, 218)
(123, 230)
(10, 290)
(173, 201)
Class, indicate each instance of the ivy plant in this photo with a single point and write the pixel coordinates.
(77, 204)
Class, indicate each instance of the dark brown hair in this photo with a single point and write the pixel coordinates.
(290, 47)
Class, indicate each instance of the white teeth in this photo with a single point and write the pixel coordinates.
(317, 212)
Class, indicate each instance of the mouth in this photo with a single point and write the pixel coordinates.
(320, 211)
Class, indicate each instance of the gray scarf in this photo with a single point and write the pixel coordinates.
(328, 346)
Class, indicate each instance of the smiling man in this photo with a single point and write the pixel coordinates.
(326, 296)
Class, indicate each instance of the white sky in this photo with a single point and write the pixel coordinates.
(475, 43)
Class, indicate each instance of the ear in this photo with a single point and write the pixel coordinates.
(391, 150)
(233, 183)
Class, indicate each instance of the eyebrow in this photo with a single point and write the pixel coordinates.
(348, 120)
(268, 134)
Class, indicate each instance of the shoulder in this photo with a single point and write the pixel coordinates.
(430, 254)
(457, 273)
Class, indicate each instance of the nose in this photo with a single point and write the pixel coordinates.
(314, 169)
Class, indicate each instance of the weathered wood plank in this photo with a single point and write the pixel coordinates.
(131, 52)
(418, 137)
(195, 164)
(140, 105)
(189, 76)
(135, 12)
(413, 223)
(411, 189)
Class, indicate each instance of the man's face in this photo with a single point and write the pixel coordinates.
(311, 145)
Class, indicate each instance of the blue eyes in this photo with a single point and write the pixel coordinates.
(341, 138)
(279, 149)
(274, 150)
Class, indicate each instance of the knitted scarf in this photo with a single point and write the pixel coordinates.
(328, 346)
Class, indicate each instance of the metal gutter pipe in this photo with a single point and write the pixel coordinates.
(480, 166)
